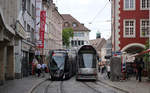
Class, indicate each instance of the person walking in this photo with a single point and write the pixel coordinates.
(108, 71)
(43, 69)
(34, 69)
(38, 69)
(140, 67)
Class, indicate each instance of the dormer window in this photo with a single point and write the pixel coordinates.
(74, 25)
(66, 24)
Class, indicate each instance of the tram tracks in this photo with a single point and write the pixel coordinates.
(61, 87)
(45, 86)
(93, 88)
(100, 87)
(108, 85)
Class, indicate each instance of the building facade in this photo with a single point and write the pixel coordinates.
(81, 33)
(28, 43)
(130, 25)
(7, 62)
(53, 27)
(20, 16)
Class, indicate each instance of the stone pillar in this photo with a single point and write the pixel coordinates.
(10, 63)
(2, 62)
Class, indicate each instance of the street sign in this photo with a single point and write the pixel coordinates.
(116, 53)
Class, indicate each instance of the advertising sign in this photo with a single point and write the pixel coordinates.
(42, 28)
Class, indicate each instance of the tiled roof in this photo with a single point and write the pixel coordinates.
(98, 43)
(68, 18)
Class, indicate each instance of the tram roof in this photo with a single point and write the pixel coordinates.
(87, 47)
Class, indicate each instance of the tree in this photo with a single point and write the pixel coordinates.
(147, 59)
(66, 34)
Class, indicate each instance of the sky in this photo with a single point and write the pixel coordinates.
(95, 14)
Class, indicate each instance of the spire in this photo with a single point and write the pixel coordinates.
(98, 34)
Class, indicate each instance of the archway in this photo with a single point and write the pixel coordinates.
(133, 48)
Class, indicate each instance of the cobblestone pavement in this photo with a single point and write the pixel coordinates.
(26, 84)
(21, 85)
(131, 85)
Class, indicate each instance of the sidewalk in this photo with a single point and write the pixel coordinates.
(129, 86)
(21, 85)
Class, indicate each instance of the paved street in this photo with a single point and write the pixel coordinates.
(131, 85)
(73, 86)
(20, 85)
(34, 84)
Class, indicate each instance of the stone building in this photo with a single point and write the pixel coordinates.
(53, 27)
(20, 16)
(81, 33)
(7, 35)
(99, 43)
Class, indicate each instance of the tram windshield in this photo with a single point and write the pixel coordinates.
(57, 61)
(87, 61)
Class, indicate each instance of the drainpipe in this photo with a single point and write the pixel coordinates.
(114, 25)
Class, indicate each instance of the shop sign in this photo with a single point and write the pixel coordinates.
(42, 28)
(25, 46)
(20, 30)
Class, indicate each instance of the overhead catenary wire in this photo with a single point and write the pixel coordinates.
(100, 11)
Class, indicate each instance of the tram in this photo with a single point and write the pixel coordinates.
(59, 64)
(87, 59)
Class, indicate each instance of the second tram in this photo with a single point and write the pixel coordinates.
(87, 60)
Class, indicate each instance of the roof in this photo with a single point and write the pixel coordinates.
(98, 43)
(69, 19)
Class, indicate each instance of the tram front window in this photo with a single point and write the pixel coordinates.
(87, 61)
(57, 62)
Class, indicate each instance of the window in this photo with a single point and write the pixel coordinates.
(72, 43)
(23, 5)
(75, 43)
(145, 4)
(25, 25)
(74, 25)
(28, 6)
(33, 11)
(66, 24)
(79, 34)
(129, 28)
(82, 42)
(32, 35)
(28, 28)
(129, 4)
(144, 28)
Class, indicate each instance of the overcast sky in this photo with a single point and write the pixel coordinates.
(89, 11)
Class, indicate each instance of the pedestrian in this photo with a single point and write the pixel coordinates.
(99, 67)
(38, 69)
(140, 67)
(43, 69)
(102, 67)
(108, 71)
(34, 63)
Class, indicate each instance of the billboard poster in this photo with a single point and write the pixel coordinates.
(42, 28)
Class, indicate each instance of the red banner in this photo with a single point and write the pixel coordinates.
(42, 28)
